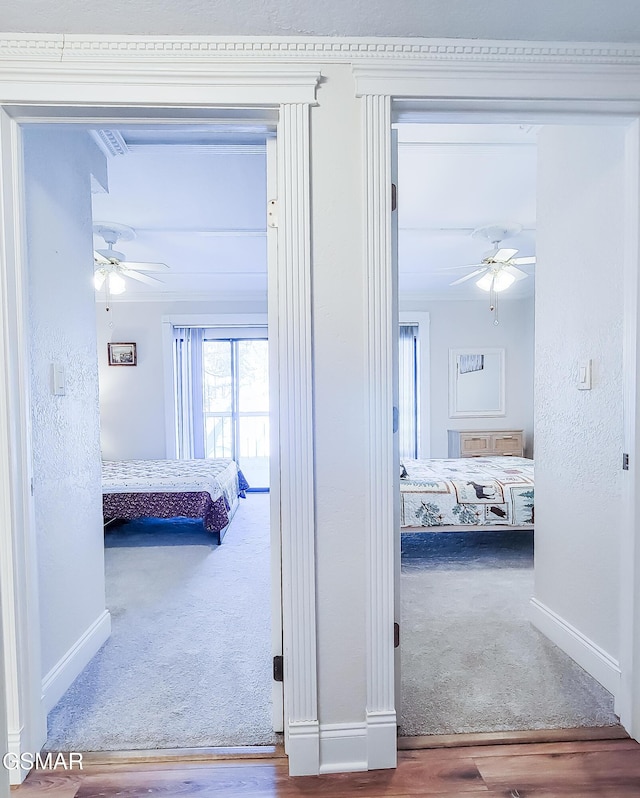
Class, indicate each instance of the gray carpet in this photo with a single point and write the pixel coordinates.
(471, 660)
(188, 663)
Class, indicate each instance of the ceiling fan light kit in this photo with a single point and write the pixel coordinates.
(111, 267)
(495, 281)
(498, 269)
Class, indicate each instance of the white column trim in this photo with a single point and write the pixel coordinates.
(296, 440)
(380, 517)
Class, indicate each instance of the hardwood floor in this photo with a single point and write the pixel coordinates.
(603, 768)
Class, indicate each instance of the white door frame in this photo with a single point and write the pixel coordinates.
(513, 82)
(129, 81)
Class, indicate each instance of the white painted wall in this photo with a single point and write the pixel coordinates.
(66, 454)
(339, 394)
(456, 325)
(572, 20)
(132, 400)
(579, 434)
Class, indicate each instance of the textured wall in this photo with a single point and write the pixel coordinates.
(469, 323)
(571, 20)
(66, 454)
(579, 434)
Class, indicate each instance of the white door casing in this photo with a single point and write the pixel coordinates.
(290, 91)
(277, 692)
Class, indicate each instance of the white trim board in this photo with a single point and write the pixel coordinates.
(77, 48)
(595, 661)
(60, 677)
(343, 747)
(353, 747)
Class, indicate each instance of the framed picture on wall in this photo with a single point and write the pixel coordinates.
(122, 354)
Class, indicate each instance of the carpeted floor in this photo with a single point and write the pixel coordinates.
(471, 660)
(189, 660)
(188, 663)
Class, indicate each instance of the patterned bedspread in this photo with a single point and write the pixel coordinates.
(478, 491)
(206, 489)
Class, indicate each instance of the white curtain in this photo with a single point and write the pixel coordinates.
(408, 390)
(187, 368)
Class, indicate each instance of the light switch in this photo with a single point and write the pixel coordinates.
(584, 375)
(58, 380)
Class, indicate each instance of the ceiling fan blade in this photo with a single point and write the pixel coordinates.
(503, 255)
(143, 278)
(524, 261)
(469, 276)
(144, 266)
(517, 273)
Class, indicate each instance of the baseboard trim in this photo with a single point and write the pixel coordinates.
(16, 746)
(303, 747)
(382, 740)
(343, 747)
(60, 677)
(533, 736)
(183, 755)
(595, 661)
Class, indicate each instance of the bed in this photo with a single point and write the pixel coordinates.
(207, 489)
(467, 492)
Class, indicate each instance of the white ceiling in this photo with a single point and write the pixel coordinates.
(196, 197)
(542, 20)
(451, 180)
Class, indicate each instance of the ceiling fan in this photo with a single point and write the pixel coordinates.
(110, 266)
(498, 268)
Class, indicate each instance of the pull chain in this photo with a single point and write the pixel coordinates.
(493, 301)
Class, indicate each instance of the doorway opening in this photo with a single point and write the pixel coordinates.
(479, 653)
(188, 555)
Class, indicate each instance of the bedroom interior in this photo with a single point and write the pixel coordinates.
(471, 659)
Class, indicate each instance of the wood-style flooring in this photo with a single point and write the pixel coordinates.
(603, 768)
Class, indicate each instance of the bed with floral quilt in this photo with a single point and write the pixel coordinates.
(207, 489)
(467, 492)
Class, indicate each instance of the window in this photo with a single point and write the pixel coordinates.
(222, 397)
(408, 390)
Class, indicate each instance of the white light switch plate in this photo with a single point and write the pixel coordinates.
(584, 375)
(58, 380)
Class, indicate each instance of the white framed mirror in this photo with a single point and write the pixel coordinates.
(476, 383)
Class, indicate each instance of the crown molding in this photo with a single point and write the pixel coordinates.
(64, 48)
(110, 142)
